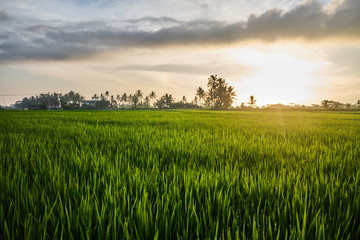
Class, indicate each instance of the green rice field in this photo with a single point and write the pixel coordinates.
(179, 175)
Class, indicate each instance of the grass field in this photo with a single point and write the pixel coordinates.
(179, 174)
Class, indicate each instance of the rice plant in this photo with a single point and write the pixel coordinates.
(179, 174)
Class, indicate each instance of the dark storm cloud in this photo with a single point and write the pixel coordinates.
(308, 21)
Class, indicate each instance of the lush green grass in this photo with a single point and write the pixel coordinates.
(179, 174)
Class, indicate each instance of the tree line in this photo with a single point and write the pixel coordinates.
(219, 96)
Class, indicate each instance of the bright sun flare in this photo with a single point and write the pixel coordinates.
(277, 78)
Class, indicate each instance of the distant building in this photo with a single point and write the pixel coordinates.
(277, 106)
(91, 102)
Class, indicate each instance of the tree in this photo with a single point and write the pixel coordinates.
(72, 98)
(252, 101)
(325, 103)
(102, 104)
(139, 94)
(168, 99)
(147, 102)
(118, 98)
(219, 94)
(333, 104)
(124, 99)
(195, 100)
(229, 97)
(184, 100)
(348, 105)
(165, 101)
(113, 101)
(337, 104)
(152, 96)
(134, 100)
(200, 93)
(69, 100)
(160, 103)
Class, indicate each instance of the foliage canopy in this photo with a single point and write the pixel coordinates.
(219, 95)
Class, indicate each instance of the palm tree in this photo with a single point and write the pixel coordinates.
(113, 101)
(135, 100)
(231, 92)
(124, 98)
(212, 81)
(147, 102)
(118, 98)
(168, 99)
(139, 94)
(184, 100)
(229, 97)
(252, 101)
(195, 101)
(209, 98)
(152, 96)
(129, 99)
(221, 82)
(219, 94)
(200, 93)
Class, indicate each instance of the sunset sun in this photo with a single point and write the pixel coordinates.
(277, 77)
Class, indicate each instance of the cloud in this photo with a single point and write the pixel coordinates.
(347, 59)
(4, 16)
(153, 20)
(173, 68)
(202, 69)
(308, 21)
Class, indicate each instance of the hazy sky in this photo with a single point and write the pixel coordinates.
(280, 50)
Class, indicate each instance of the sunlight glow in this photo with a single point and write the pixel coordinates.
(279, 78)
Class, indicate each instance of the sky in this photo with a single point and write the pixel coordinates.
(281, 51)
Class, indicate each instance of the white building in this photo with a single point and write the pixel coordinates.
(91, 102)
